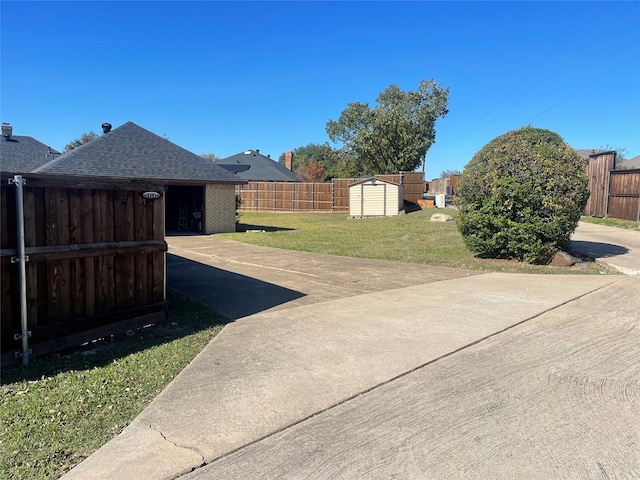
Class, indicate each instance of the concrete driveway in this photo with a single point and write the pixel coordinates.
(617, 247)
(365, 369)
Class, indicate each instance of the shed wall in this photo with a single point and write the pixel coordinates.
(375, 199)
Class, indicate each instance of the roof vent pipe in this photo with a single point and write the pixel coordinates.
(7, 130)
(106, 127)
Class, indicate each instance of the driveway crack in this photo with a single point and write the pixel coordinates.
(195, 450)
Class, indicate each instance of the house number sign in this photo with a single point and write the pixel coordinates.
(150, 195)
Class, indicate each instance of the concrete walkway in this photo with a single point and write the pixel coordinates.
(452, 375)
(617, 247)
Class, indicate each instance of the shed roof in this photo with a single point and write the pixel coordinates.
(261, 168)
(131, 151)
(21, 154)
(373, 180)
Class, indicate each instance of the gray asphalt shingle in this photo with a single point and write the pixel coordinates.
(21, 154)
(131, 151)
(261, 168)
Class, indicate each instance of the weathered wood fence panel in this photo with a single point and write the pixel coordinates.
(96, 261)
(444, 186)
(598, 168)
(624, 195)
(317, 197)
(413, 184)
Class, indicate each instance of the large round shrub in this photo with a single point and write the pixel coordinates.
(521, 195)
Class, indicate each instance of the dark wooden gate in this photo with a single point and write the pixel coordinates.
(96, 260)
(624, 195)
(598, 169)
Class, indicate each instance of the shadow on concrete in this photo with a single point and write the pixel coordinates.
(182, 233)
(598, 249)
(230, 294)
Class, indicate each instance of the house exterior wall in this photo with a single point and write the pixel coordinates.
(220, 208)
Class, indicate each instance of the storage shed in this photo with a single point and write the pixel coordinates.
(373, 197)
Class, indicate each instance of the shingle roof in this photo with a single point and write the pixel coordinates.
(20, 154)
(131, 151)
(586, 152)
(261, 168)
(632, 163)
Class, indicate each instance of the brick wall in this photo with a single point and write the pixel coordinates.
(220, 208)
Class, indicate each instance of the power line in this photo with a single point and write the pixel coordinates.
(563, 64)
(587, 85)
(531, 74)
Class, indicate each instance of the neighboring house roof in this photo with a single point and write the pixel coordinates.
(632, 163)
(20, 154)
(585, 153)
(131, 151)
(261, 168)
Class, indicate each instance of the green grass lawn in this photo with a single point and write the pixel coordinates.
(57, 411)
(612, 222)
(411, 238)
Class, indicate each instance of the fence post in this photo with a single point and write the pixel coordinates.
(333, 195)
(606, 194)
(19, 182)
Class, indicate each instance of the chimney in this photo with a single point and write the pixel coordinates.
(288, 160)
(7, 130)
(106, 127)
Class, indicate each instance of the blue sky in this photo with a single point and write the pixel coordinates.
(223, 77)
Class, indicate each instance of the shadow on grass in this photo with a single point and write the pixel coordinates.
(185, 317)
(247, 227)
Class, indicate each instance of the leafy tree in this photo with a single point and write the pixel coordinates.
(210, 157)
(521, 195)
(84, 138)
(394, 135)
(449, 173)
(335, 162)
(311, 171)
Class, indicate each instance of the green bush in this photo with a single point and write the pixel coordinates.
(521, 195)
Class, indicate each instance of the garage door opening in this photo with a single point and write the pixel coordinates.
(181, 202)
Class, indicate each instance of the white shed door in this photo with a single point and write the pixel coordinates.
(374, 199)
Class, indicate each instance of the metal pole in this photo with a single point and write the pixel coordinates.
(21, 259)
(606, 194)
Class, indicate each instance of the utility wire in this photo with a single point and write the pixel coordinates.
(563, 100)
(563, 64)
(587, 85)
(532, 73)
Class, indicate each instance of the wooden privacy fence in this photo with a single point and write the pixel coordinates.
(94, 265)
(623, 199)
(613, 193)
(317, 197)
(444, 186)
